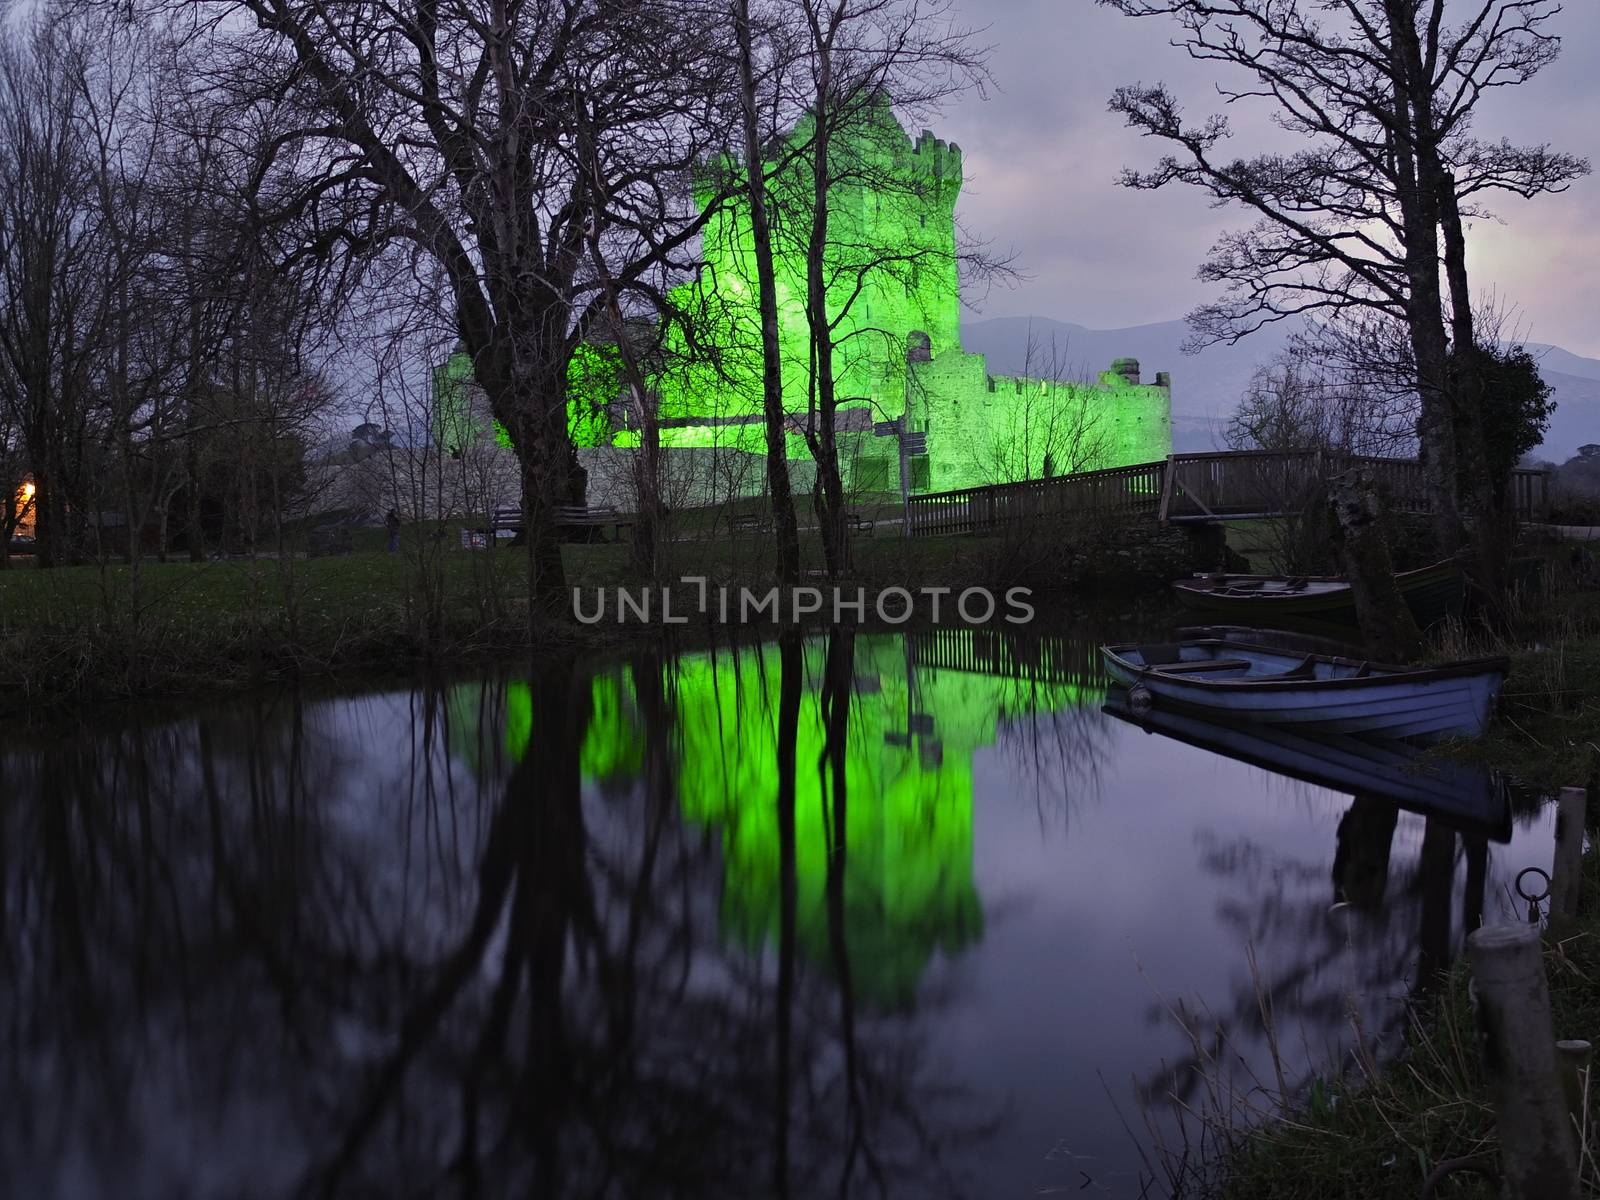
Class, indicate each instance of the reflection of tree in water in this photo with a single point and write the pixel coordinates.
(906, 886)
(324, 975)
(1335, 954)
(906, 751)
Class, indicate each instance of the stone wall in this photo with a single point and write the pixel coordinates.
(985, 429)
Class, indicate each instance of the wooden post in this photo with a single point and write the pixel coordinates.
(1574, 1057)
(1537, 1159)
(1386, 623)
(1592, 816)
(1566, 871)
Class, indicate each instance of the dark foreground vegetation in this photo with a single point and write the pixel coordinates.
(1378, 1132)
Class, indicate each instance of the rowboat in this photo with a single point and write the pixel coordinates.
(1468, 799)
(1317, 693)
(1432, 593)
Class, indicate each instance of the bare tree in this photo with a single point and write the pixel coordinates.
(756, 186)
(1384, 92)
(450, 130)
(1051, 426)
(1296, 403)
(53, 269)
(852, 59)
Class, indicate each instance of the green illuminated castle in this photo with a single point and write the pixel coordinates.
(894, 299)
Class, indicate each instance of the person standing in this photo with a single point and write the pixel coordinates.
(392, 524)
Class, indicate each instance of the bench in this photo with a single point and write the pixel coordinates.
(856, 523)
(567, 516)
(1203, 667)
(750, 523)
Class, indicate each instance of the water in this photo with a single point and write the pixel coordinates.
(865, 915)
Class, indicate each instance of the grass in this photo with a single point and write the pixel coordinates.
(1380, 1132)
(1548, 736)
(113, 633)
(118, 632)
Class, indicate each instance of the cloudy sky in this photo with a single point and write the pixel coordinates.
(1042, 155)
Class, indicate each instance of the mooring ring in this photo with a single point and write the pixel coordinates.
(1542, 874)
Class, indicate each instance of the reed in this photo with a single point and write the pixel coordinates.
(1373, 1129)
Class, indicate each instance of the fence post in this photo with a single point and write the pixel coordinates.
(1574, 1057)
(1566, 871)
(1537, 1159)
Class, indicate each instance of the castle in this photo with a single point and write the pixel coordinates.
(894, 295)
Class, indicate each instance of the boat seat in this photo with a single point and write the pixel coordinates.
(1159, 654)
(1305, 669)
(1205, 666)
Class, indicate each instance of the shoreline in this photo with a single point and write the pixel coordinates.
(87, 654)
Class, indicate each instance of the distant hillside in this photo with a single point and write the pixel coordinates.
(1206, 386)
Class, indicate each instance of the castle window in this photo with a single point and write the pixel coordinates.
(923, 220)
(920, 472)
(991, 383)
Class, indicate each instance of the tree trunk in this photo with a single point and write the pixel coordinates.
(547, 479)
(1419, 211)
(647, 488)
(1483, 488)
(829, 497)
(1387, 624)
(779, 489)
(46, 523)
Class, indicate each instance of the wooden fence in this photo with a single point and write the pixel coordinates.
(1048, 659)
(1133, 489)
(1229, 485)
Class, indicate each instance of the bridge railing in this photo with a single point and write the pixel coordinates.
(1129, 489)
(1212, 486)
(1239, 484)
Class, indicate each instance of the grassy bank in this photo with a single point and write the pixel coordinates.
(1380, 1132)
(1548, 734)
(88, 633)
(119, 632)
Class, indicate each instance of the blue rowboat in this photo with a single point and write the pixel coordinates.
(1316, 693)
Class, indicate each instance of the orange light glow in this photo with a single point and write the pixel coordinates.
(27, 491)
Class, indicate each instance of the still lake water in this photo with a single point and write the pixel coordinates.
(863, 915)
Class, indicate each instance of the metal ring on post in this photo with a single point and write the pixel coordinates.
(1478, 1165)
(1542, 874)
(1533, 901)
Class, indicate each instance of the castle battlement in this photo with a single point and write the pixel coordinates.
(937, 157)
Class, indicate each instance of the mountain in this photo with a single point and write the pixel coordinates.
(1576, 420)
(1206, 386)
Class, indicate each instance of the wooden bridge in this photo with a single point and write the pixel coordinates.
(1228, 485)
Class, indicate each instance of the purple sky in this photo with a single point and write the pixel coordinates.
(1042, 155)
